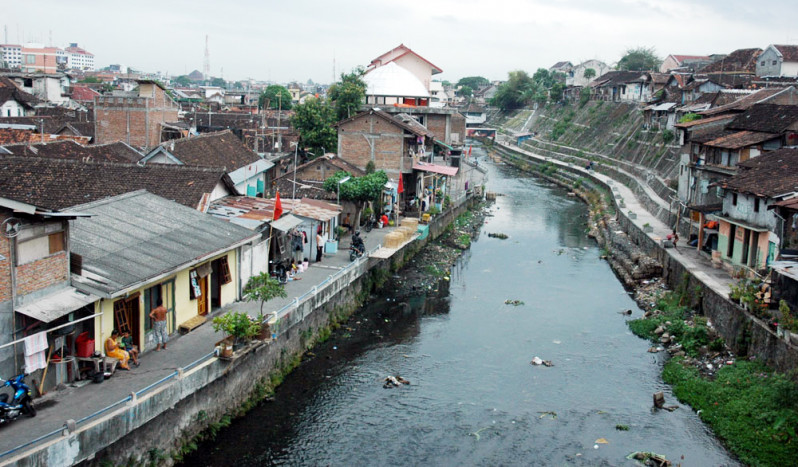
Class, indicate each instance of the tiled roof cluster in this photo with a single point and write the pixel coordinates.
(220, 149)
(9, 91)
(58, 184)
(788, 52)
(770, 175)
(111, 152)
(769, 118)
(739, 61)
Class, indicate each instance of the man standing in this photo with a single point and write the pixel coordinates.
(158, 317)
(319, 245)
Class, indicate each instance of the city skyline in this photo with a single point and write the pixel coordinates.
(315, 40)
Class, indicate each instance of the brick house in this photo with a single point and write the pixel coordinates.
(136, 119)
(749, 232)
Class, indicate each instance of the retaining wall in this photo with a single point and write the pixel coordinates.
(744, 333)
(148, 429)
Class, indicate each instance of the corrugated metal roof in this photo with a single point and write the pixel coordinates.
(56, 304)
(138, 236)
(438, 169)
(261, 210)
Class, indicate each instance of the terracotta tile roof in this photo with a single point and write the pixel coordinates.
(682, 58)
(14, 135)
(704, 138)
(743, 102)
(769, 175)
(68, 149)
(404, 51)
(739, 61)
(220, 149)
(767, 118)
(788, 52)
(313, 189)
(83, 93)
(613, 78)
(741, 139)
(401, 120)
(702, 121)
(59, 184)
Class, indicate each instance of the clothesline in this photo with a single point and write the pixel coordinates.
(53, 329)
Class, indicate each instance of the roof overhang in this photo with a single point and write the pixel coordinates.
(435, 168)
(745, 225)
(286, 223)
(57, 304)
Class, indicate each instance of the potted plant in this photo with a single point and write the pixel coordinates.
(263, 288)
(237, 326)
(647, 228)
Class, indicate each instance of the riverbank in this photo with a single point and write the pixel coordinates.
(723, 322)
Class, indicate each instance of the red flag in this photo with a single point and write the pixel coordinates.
(278, 207)
(401, 188)
(469, 150)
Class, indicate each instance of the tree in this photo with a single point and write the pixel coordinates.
(182, 80)
(517, 92)
(262, 288)
(275, 97)
(640, 59)
(473, 82)
(314, 121)
(359, 190)
(348, 94)
(589, 73)
(465, 91)
(218, 82)
(91, 80)
(556, 92)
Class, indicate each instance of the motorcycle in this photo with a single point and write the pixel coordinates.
(280, 272)
(22, 402)
(356, 252)
(371, 222)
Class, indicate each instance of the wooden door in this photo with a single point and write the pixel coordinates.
(202, 300)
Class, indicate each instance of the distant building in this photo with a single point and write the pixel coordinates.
(576, 75)
(78, 58)
(778, 60)
(402, 56)
(37, 58)
(686, 62)
(12, 55)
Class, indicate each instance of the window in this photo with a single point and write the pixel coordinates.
(224, 271)
(756, 205)
(762, 64)
(30, 59)
(734, 199)
(775, 62)
(39, 247)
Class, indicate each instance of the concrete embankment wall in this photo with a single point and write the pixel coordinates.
(743, 332)
(151, 428)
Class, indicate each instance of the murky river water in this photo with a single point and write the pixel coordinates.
(474, 398)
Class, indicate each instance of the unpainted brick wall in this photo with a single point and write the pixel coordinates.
(388, 144)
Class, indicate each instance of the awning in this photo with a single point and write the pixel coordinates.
(286, 223)
(435, 168)
(742, 224)
(441, 143)
(665, 106)
(57, 304)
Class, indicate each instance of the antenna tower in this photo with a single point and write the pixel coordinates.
(206, 65)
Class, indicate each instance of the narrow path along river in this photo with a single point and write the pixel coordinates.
(474, 397)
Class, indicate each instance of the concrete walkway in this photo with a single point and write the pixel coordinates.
(717, 279)
(81, 399)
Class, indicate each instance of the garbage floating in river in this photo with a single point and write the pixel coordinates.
(394, 381)
(513, 302)
(539, 361)
(498, 235)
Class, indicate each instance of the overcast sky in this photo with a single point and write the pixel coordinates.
(297, 40)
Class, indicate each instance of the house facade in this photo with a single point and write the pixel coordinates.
(778, 60)
(576, 75)
(139, 248)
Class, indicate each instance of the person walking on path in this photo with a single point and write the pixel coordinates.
(319, 246)
(158, 316)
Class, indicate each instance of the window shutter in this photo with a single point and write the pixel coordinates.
(224, 271)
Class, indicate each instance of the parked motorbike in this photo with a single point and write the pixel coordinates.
(371, 222)
(280, 271)
(21, 403)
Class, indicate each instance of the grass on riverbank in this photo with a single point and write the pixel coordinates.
(748, 406)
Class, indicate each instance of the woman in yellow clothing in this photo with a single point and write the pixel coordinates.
(113, 350)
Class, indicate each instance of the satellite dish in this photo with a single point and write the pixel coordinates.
(11, 227)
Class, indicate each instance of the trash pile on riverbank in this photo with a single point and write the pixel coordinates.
(434, 262)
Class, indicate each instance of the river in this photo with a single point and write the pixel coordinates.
(474, 398)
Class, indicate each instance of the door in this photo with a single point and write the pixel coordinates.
(127, 317)
(202, 300)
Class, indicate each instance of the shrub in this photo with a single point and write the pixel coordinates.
(667, 136)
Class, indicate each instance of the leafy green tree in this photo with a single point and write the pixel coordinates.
(218, 82)
(359, 190)
(589, 73)
(445, 83)
(348, 94)
(640, 59)
(182, 80)
(275, 97)
(465, 91)
(91, 79)
(556, 92)
(516, 92)
(314, 121)
(262, 288)
(473, 82)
